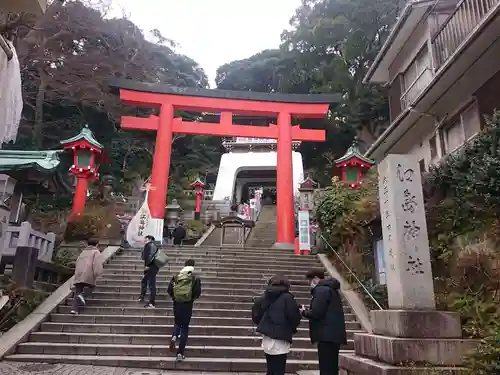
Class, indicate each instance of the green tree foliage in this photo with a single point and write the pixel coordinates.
(67, 57)
(329, 49)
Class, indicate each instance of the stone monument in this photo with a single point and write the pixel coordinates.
(411, 333)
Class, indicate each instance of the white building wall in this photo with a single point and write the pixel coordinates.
(233, 162)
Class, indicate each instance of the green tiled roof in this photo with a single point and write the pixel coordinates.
(86, 134)
(353, 152)
(197, 181)
(14, 160)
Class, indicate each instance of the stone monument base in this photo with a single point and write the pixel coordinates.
(409, 342)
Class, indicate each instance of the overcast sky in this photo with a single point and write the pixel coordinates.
(214, 32)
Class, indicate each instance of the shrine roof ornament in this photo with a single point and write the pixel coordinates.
(352, 154)
(308, 183)
(126, 84)
(197, 183)
(15, 160)
(84, 135)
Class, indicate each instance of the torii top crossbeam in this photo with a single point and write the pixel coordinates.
(227, 103)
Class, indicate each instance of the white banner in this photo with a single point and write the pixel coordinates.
(138, 227)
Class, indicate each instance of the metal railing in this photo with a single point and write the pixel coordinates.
(352, 273)
(455, 29)
(416, 87)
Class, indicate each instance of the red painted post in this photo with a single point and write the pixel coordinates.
(199, 195)
(157, 198)
(80, 197)
(296, 247)
(284, 181)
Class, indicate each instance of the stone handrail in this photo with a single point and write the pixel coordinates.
(24, 236)
(44, 274)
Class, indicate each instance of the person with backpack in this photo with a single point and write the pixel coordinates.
(326, 320)
(154, 259)
(184, 289)
(277, 317)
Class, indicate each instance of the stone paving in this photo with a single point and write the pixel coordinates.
(14, 368)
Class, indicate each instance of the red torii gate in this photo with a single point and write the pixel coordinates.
(227, 103)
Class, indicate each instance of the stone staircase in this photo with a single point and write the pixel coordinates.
(264, 233)
(115, 330)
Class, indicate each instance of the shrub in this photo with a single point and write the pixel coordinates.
(21, 303)
(96, 221)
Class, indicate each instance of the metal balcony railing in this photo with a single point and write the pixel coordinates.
(455, 29)
(416, 87)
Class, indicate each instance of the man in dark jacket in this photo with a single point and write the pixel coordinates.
(179, 234)
(277, 317)
(326, 320)
(184, 289)
(150, 272)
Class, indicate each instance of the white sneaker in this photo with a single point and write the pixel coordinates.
(149, 306)
(73, 312)
(181, 357)
(82, 300)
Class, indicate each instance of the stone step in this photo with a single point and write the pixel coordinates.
(208, 265)
(247, 258)
(164, 303)
(139, 310)
(204, 297)
(165, 276)
(156, 350)
(264, 253)
(198, 364)
(162, 289)
(194, 340)
(217, 330)
(156, 320)
(207, 285)
(209, 268)
(266, 275)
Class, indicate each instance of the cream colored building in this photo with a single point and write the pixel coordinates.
(441, 67)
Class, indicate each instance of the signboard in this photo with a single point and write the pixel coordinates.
(304, 235)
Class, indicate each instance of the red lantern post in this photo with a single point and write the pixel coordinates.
(199, 188)
(353, 165)
(87, 155)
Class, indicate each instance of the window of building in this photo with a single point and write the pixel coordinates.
(379, 261)
(421, 164)
(416, 78)
(433, 147)
(465, 126)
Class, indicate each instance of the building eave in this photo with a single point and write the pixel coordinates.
(396, 32)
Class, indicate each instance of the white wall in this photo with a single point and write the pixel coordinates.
(231, 163)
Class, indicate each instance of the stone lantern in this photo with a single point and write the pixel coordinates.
(353, 165)
(173, 216)
(87, 158)
(199, 189)
(306, 194)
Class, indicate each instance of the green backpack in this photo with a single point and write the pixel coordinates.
(183, 287)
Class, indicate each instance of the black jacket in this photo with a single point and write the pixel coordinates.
(326, 313)
(179, 234)
(276, 313)
(148, 253)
